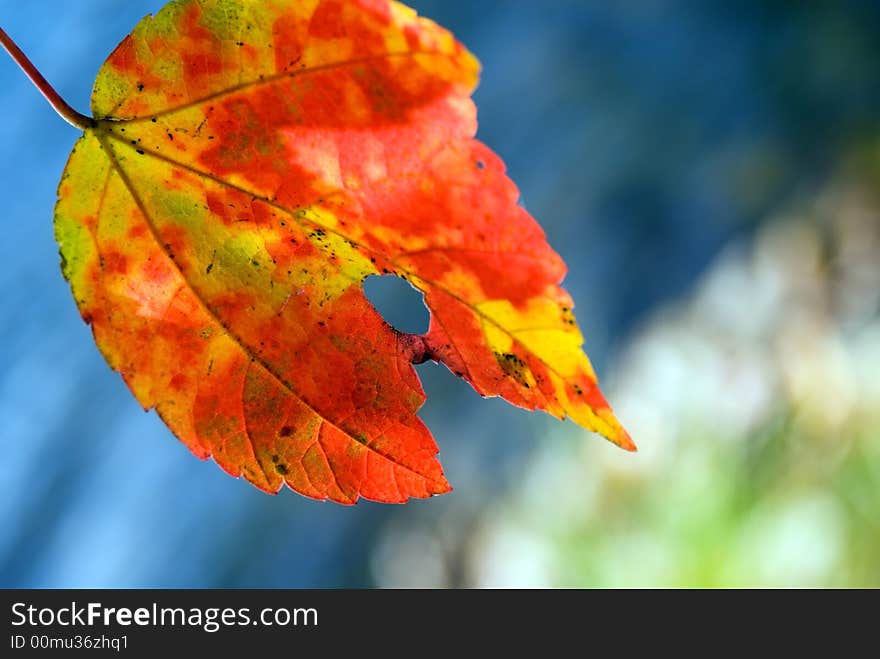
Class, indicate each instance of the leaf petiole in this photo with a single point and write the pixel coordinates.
(61, 106)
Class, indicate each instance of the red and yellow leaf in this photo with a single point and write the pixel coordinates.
(251, 163)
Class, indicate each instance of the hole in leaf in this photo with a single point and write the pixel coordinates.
(398, 302)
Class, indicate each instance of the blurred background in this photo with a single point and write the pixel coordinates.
(711, 174)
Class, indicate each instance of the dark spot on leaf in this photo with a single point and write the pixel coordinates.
(286, 431)
(513, 366)
(281, 469)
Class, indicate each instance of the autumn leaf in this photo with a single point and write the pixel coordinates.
(252, 162)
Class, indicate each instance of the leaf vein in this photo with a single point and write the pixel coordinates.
(329, 229)
(238, 341)
(247, 429)
(272, 79)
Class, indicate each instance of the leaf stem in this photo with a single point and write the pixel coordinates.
(66, 112)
